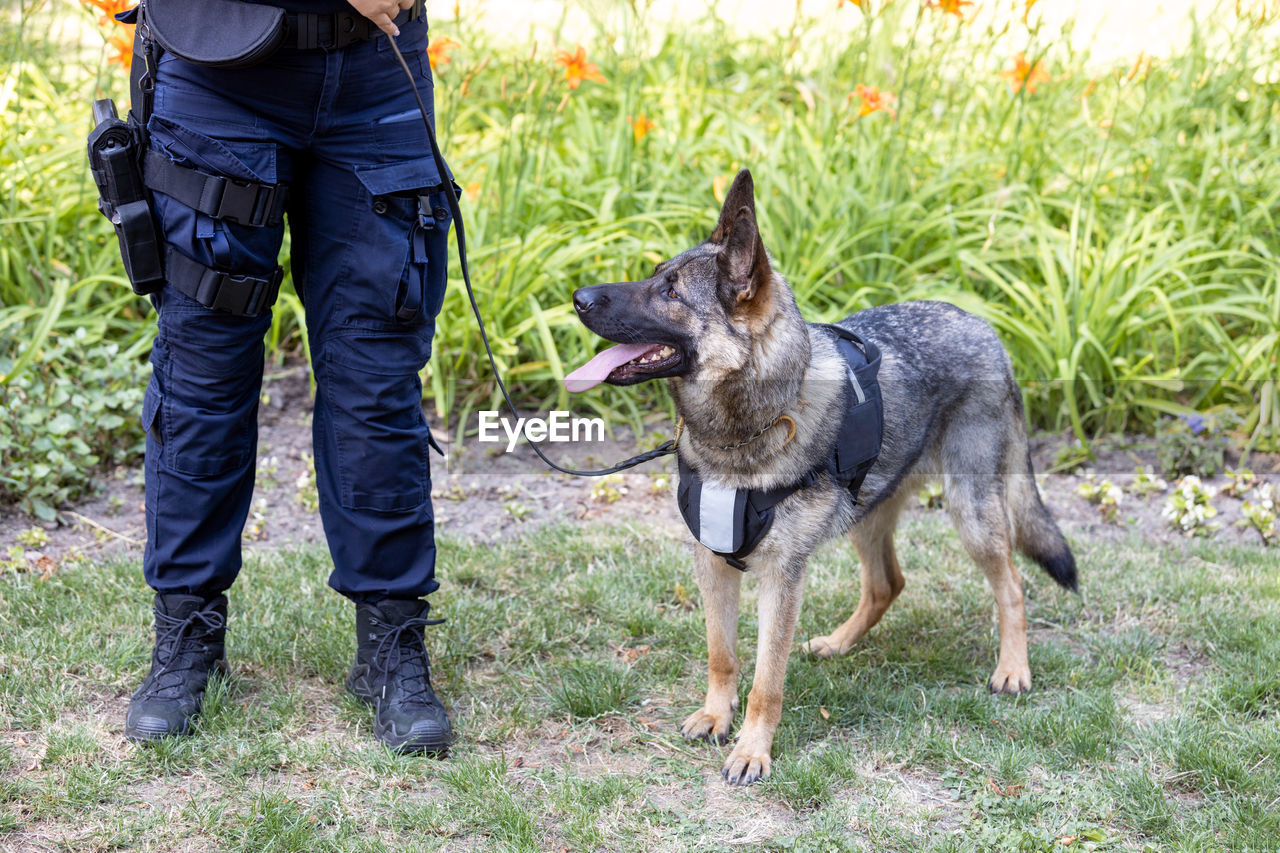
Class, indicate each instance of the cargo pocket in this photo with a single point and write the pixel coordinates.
(202, 423)
(244, 159)
(226, 244)
(410, 197)
(373, 411)
(151, 460)
(205, 443)
(151, 405)
(425, 276)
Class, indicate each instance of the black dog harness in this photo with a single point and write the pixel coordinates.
(731, 522)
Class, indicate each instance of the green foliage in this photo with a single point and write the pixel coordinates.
(1116, 231)
(74, 410)
(1193, 444)
(1117, 226)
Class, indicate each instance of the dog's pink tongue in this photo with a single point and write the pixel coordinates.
(598, 369)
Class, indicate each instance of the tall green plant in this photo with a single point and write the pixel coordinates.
(1117, 224)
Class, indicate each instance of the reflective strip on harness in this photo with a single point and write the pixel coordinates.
(718, 508)
(857, 386)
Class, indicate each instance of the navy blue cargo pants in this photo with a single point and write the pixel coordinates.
(369, 226)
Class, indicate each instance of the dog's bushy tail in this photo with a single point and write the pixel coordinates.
(1035, 533)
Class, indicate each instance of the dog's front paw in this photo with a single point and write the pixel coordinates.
(747, 763)
(705, 725)
(822, 647)
(1010, 679)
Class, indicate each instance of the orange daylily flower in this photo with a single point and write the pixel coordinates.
(1025, 74)
(122, 43)
(873, 100)
(109, 9)
(1138, 70)
(858, 3)
(1258, 12)
(438, 52)
(124, 52)
(577, 69)
(472, 191)
(640, 126)
(718, 185)
(950, 7)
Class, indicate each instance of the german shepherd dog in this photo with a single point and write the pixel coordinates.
(723, 326)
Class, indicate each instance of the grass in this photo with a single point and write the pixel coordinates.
(1153, 723)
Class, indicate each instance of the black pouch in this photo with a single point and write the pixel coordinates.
(217, 33)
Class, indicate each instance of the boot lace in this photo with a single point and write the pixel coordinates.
(165, 680)
(402, 654)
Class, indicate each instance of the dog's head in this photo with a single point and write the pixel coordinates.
(696, 315)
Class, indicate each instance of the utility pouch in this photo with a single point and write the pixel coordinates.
(115, 147)
(217, 33)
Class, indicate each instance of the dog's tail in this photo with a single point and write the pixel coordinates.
(1035, 533)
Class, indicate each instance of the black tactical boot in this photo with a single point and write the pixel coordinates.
(190, 644)
(393, 674)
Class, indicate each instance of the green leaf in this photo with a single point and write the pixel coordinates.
(61, 424)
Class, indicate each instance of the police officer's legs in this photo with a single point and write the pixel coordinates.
(200, 409)
(369, 262)
(371, 272)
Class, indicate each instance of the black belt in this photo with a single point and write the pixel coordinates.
(310, 30)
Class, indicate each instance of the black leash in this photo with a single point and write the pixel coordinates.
(666, 448)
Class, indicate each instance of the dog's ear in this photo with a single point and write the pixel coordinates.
(743, 264)
(741, 194)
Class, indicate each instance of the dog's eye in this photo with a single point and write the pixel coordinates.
(671, 280)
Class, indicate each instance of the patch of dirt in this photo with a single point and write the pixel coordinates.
(927, 795)
(1146, 713)
(479, 491)
(1119, 461)
(483, 493)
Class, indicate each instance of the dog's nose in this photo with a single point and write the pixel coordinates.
(586, 298)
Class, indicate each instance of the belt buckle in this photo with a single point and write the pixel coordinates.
(346, 29)
(239, 202)
(264, 292)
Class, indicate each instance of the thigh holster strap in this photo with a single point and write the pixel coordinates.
(242, 295)
(242, 202)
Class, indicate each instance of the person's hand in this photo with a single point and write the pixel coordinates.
(382, 12)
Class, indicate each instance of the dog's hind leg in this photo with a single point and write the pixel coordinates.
(720, 585)
(881, 578)
(977, 508)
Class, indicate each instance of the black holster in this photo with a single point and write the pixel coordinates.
(115, 159)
